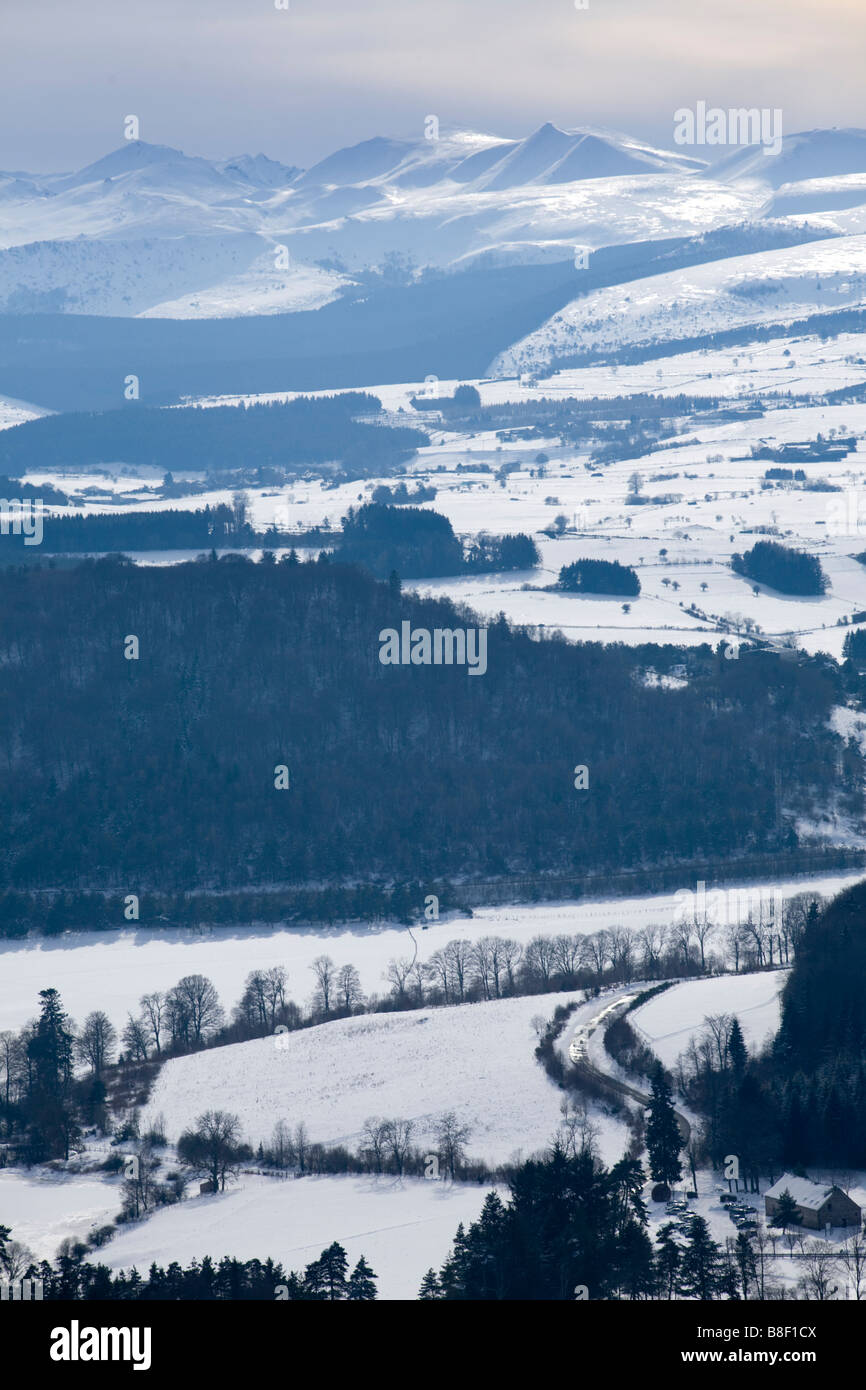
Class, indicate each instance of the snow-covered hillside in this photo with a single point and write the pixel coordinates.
(778, 286)
(671, 1019)
(474, 1059)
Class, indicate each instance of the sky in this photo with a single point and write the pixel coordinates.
(224, 77)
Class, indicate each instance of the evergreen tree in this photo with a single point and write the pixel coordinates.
(737, 1051)
(787, 1212)
(51, 1047)
(430, 1287)
(668, 1260)
(663, 1138)
(325, 1278)
(52, 1126)
(701, 1270)
(361, 1287)
(636, 1278)
(452, 1277)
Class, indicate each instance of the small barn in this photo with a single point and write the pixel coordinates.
(818, 1204)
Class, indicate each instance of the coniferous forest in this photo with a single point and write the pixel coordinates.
(145, 714)
(781, 567)
(294, 434)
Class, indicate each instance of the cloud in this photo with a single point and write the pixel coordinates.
(216, 76)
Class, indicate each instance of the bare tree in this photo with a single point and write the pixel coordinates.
(482, 965)
(302, 1146)
(760, 1241)
(375, 1140)
(459, 956)
(416, 982)
(568, 958)
(704, 930)
(252, 1009)
(397, 974)
(598, 951)
(652, 940)
(196, 1005)
(135, 1039)
(511, 953)
(579, 1134)
(13, 1061)
(621, 953)
(349, 988)
(398, 1140)
(451, 1138)
(753, 933)
(852, 1258)
(152, 1006)
(96, 1043)
(681, 939)
(717, 1030)
(281, 1144)
(139, 1188)
(325, 972)
(274, 991)
(734, 943)
(438, 969)
(539, 960)
(820, 1282)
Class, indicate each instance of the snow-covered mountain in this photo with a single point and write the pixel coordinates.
(149, 230)
(768, 287)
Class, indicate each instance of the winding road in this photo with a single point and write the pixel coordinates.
(579, 1055)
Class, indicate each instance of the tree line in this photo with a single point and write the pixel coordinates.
(70, 1277)
(294, 435)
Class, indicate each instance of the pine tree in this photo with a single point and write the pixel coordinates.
(52, 1126)
(452, 1276)
(361, 1287)
(668, 1259)
(701, 1270)
(430, 1287)
(737, 1051)
(787, 1211)
(634, 1258)
(663, 1138)
(51, 1046)
(325, 1278)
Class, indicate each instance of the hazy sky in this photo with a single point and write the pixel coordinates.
(222, 77)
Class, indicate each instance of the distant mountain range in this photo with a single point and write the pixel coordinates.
(150, 231)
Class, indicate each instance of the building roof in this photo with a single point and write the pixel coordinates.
(805, 1193)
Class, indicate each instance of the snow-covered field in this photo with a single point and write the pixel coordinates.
(712, 504)
(111, 970)
(475, 1059)
(42, 1208)
(671, 1019)
(402, 1226)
